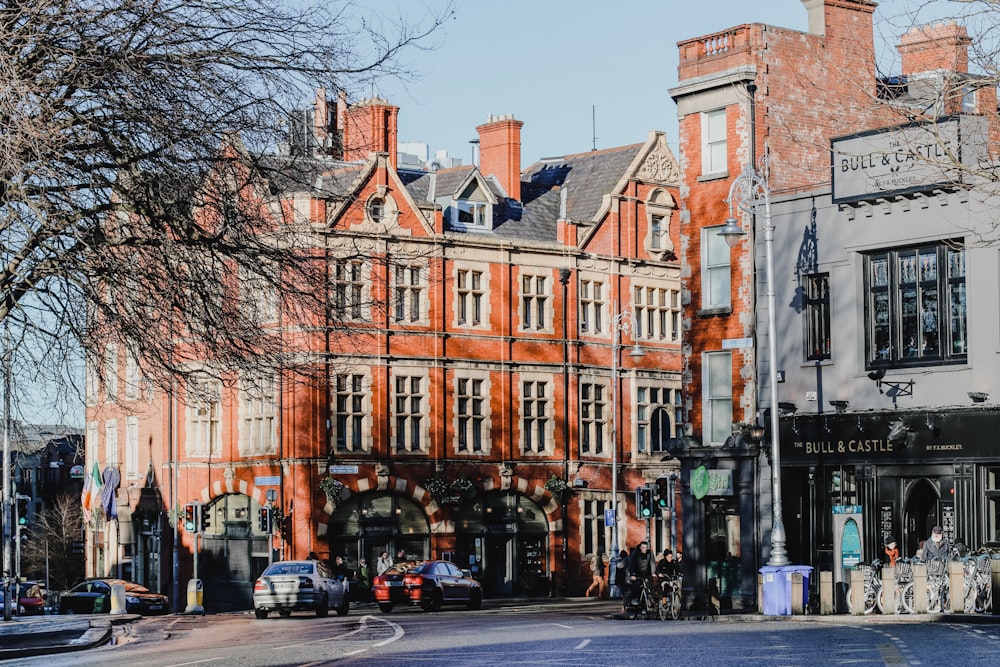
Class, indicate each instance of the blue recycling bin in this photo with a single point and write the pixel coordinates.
(776, 591)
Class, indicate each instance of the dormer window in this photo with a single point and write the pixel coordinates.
(473, 213)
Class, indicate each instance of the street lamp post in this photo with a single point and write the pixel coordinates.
(622, 323)
(751, 194)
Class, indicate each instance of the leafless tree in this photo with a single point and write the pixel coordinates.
(52, 534)
(138, 196)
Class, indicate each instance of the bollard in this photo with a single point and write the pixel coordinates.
(995, 583)
(194, 597)
(919, 588)
(888, 590)
(797, 606)
(117, 599)
(956, 586)
(857, 591)
(760, 593)
(826, 601)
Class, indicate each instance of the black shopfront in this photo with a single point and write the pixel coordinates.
(907, 470)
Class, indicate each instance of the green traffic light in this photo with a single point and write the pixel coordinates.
(22, 520)
(646, 511)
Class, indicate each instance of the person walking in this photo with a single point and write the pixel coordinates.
(618, 575)
(597, 572)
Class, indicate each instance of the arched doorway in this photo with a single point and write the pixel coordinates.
(365, 525)
(233, 552)
(503, 540)
(921, 513)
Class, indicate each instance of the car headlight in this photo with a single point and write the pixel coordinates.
(132, 599)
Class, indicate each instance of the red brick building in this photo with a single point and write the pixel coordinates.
(466, 375)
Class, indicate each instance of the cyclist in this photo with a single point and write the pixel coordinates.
(666, 570)
(640, 568)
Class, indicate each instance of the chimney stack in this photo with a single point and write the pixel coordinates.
(824, 18)
(944, 46)
(500, 152)
(370, 126)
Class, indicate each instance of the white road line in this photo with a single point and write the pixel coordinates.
(560, 625)
(363, 626)
(196, 662)
(398, 632)
(581, 645)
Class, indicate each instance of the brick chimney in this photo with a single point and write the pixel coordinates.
(370, 126)
(944, 46)
(500, 152)
(826, 16)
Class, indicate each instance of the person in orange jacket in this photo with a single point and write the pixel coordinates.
(891, 551)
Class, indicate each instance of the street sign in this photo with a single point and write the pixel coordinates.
(343, 470)
(609, 518)
(269, 480)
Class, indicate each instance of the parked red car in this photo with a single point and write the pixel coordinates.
(431, 584)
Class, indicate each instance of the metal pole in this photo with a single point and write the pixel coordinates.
(778, 554)
(615, 337)
(7, 496)
(751, 193)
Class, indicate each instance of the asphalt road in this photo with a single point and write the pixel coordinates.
(548, 635)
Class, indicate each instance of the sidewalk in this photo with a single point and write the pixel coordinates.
(25, 636)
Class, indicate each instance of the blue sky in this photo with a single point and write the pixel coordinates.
(558, 64)
(565, 66)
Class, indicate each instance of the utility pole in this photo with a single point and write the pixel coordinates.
(8, 499)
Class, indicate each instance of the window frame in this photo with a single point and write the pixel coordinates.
(595, 418)
(711, 243)
(716, 404)
(711, 143)
(537, 416)
(817, 343)
(935, 275)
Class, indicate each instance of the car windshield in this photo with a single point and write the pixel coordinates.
(289, 568)
(135, 588)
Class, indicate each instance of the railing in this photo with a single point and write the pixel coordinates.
(717, 44)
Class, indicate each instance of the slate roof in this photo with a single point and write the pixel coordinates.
(586, 177)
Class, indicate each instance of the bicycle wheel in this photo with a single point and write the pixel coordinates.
(632, 609)
(675, 605)
(663, 607)
(873, 600)
(904, 599)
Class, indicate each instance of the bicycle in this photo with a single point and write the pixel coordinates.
(938, 593)
(642, 602)
(668, 604)
(903, 602)
(872, 596)
(976, 583)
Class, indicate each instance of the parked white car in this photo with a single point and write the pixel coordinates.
(299, 585)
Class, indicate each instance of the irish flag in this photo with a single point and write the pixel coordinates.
(92, 484)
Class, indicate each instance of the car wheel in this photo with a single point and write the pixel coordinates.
(475, 599)
(323, 609)
(344, 607)
(260, 613)
(285, 613)
(435, 602)
(384, 607)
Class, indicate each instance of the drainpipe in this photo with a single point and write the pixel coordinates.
(564, 275)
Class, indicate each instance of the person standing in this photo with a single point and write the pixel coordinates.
(937, 547)
(383, 563)
(891, 551)
(618, 575)
(400, 556)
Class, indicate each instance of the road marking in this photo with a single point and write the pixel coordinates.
(560, 625)
(398, 633)
(581, 645)
(197, 662)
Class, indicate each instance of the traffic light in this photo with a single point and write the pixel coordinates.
(286, 528)
(663, 492)
(189, 518)
(264, 520)
(644, 502)
(205, 514)
(22, 510)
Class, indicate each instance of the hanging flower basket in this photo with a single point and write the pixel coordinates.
(463, 487)
(333, 488)
(557, 487)
(438, 488)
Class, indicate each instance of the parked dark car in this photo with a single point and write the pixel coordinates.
(93, 596)
(300, 585)
(431, 584)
